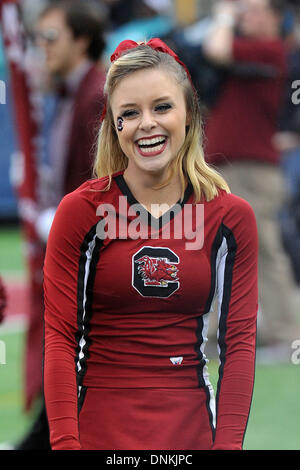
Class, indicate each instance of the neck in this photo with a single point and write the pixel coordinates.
(76, 63)
(272, 33)
(143, 187)
(272, 29)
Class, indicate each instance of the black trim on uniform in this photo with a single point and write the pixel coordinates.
(159, 222)
(201, 381)
(214, 251)
(83, 324)
(228, 274)
(81, 398)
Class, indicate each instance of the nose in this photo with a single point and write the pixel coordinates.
(147, 121)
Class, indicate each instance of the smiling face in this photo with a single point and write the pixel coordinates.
(152, 105)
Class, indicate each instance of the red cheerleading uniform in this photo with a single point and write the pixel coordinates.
(126, 320)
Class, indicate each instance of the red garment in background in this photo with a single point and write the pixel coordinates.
(87, 110)
(88, 106)
(27, 114)
(243, 121)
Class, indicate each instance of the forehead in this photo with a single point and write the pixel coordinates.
(146, 84)
(53, 19)
(258, 4)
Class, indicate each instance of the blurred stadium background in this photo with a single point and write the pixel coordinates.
(274, 418)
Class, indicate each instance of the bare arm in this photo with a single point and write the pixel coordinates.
(217, 45)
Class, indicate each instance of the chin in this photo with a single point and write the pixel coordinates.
(248, 31)
(152, 165)
(159, 173)
(51, 68)
(155, 170)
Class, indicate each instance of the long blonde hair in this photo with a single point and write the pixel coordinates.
(190, 161)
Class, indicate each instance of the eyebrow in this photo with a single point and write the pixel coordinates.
(162, 98)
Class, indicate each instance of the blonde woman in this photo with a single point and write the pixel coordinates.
(134, 260)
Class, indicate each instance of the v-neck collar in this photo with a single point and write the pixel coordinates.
(154, 221)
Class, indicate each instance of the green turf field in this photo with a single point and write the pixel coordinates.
(13, 421)
(275, 413)
(11, 252)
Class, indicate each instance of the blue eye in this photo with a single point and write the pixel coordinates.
(163, 107)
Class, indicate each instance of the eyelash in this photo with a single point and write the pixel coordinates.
(159, 108)
(163, 107)
(128, 113)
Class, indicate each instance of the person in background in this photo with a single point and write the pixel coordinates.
(119, 12)
(287, 141)
(151, 18)
(240, 128)
(70, 35)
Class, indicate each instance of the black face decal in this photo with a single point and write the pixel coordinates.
(120, 122)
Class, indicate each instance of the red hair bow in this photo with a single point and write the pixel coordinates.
(156, 44)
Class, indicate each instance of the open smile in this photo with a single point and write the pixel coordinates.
(151, 146)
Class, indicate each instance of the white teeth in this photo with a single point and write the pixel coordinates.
(157, 148)
(155, 140)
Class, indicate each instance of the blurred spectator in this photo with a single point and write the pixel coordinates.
(239, 131)
(70, 34)
(207, 77)
(288, 143)
(72, 40)
(120, 12)
(152, 18)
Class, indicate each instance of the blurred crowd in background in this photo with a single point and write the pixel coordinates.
(244, 58)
